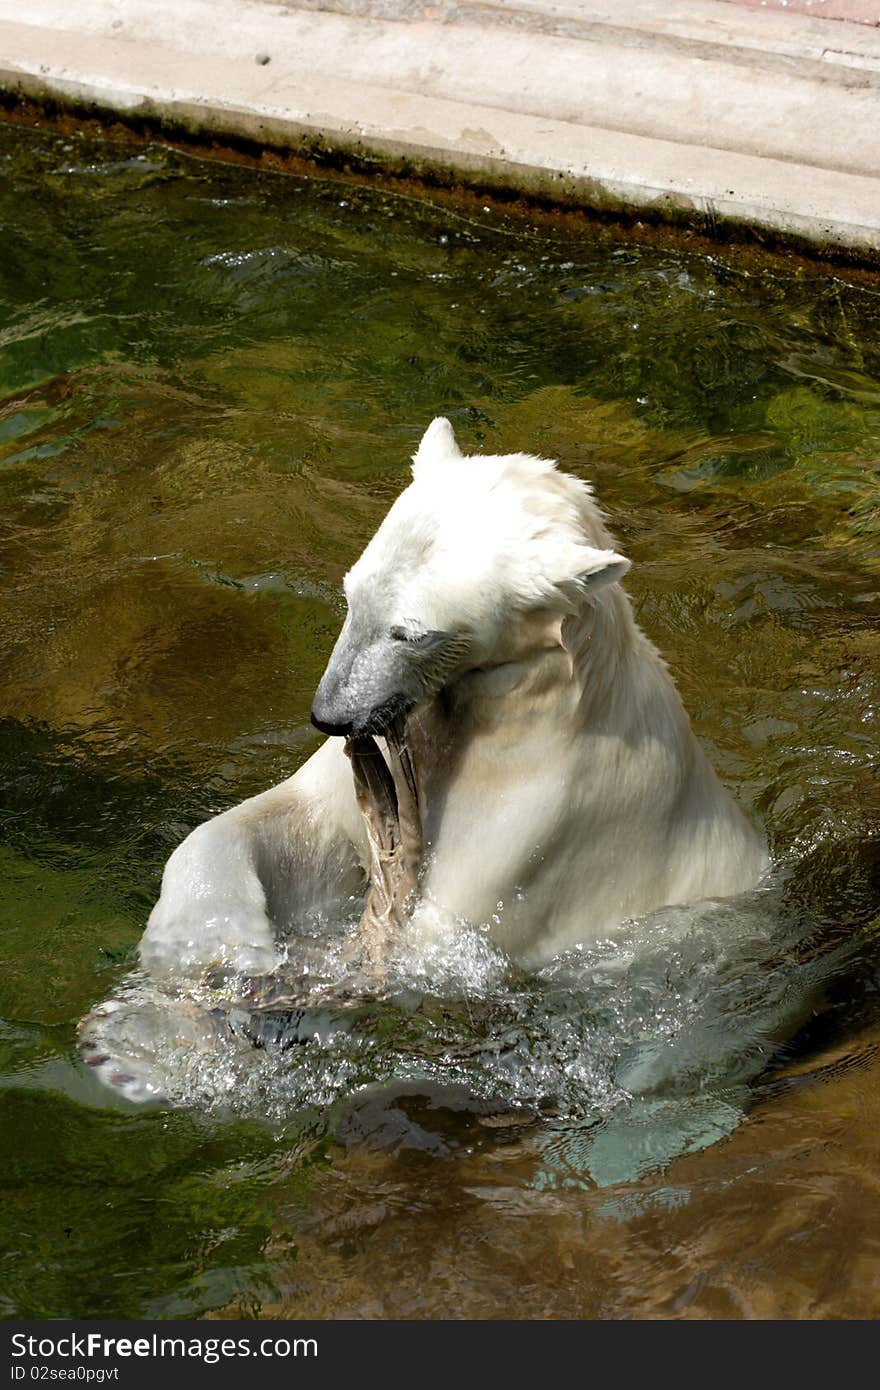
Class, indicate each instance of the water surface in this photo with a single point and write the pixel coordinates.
(210, 381)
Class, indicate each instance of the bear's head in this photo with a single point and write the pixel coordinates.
(473, 552)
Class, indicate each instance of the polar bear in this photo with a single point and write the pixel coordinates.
(562, 789)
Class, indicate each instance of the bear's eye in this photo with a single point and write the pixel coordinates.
(428, 643)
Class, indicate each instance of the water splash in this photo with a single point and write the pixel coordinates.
(623, 1053)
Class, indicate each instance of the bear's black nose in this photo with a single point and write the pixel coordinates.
(328, 726)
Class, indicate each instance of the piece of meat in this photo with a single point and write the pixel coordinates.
(387, 794)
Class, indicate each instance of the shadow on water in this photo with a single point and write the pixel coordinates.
(210, 380)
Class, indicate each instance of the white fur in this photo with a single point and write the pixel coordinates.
(563, 788)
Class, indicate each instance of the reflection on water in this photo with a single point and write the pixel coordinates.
(210, 380)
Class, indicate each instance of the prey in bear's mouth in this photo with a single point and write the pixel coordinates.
(388, 796)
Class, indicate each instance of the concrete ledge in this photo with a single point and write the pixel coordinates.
(689, 110)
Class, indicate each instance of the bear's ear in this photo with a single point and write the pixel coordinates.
(595, 569)
(438, 444)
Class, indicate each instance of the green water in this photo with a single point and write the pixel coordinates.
(210, 381)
